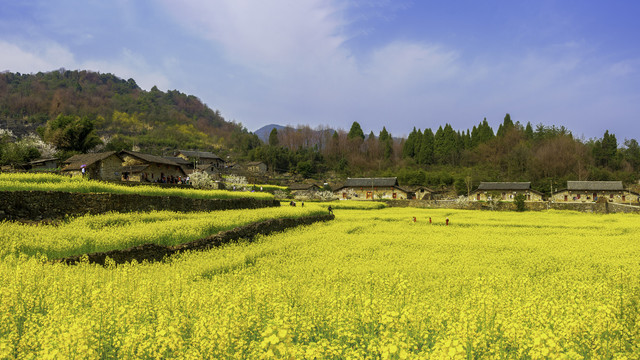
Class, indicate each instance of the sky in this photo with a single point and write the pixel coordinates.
(399, 64)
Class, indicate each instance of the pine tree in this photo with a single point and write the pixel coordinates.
(386, 143)
(355, 132)
(528, 131)
(425, 156)
(273, 137)
(409, 144)
(506, 126)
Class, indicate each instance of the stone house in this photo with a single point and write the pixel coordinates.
(97, 166)
(43, 164)
(592, 191)
(505, 191)
(256, 167)
(304, 188)
(421, 193)
(371, 188)
(201, 158)
(149, 168)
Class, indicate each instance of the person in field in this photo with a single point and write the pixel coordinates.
(446, 222)
(330, 210)
(414, 219)
(429, 219)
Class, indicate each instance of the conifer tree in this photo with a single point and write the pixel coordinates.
(355, 132)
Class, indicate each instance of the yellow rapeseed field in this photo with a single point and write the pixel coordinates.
(370, 285)
(52, 182)
(95, 233)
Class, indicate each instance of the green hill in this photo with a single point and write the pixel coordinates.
(124, 114)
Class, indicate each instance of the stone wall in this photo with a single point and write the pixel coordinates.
(47, 205)
(600, 208)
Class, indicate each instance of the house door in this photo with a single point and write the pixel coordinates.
(344, 195)
(395, 195)
(624, 198)
(566, 198)
(478, 197)
(369, 195)
(595, 196)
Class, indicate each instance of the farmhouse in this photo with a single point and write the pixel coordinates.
(201, 158)
(256, 167)
(421, 193)
(42, 164)
(371, 188)
(97, 166)
(144, 167)
(505, 191)
(304, 188)
(592, 191)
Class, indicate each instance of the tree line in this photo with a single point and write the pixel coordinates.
(547, 156)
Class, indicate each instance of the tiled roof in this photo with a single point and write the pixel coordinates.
(504, 186)
(76, 161)
(368, 182)
(303, 186)
(199, 154)
(178, 160)
(595, 185)
(149, 158)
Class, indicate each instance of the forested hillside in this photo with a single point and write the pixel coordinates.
(121, 113)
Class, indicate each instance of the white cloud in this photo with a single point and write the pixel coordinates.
(51, 56)
(46, 57)
(265, 34)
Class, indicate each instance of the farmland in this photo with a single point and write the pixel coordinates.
(51, 182)
(370, 284)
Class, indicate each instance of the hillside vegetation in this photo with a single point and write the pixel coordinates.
(123, 114)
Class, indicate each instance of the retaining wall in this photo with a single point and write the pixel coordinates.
(153, 252)
(600, 208)
(46, 205)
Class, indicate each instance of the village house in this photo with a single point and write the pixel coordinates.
(42, 164)
(421, 193)
(592, 191)
(97, 166)
(149, 168)
(371, 188)
(197, 158)
(304, 188)
(505, 191)
(256, 167)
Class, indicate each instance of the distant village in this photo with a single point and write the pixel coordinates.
(131, 166)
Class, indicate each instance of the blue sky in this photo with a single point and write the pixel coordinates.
(388, 63)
